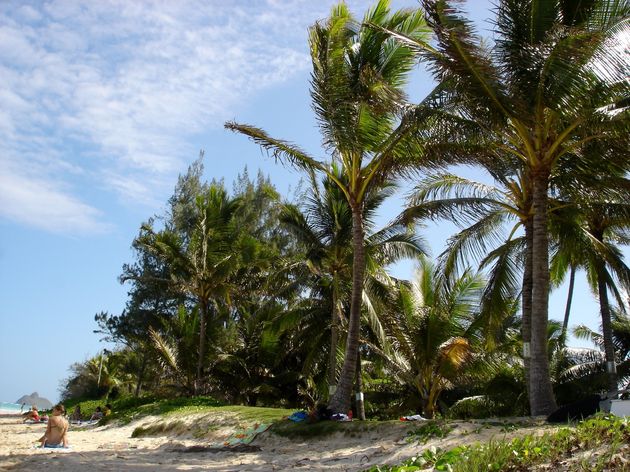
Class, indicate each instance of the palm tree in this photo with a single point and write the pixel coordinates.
(433, 332)
(602, 223)
(204, 268)
(357, 91)
(620, 327)
(324, 229)
(536, 95)
(246, 368)
(491, 219)
(176, 348)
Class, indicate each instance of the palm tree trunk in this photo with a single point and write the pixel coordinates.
(359, 390)
(334, 342)
(541, 397)
(526, 300)
(340, 401)
(567, 311)
(203, 305)
(609, 347)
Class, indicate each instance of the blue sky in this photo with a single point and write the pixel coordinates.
(102, 105)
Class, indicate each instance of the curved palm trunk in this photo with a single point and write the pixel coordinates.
(609, 347)
(567, 311)
(541, 397)
(334, 342)
(340, 401)
(526, 300)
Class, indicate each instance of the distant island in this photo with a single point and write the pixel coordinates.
(34, 399)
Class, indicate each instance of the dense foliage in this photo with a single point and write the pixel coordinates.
(251, 299)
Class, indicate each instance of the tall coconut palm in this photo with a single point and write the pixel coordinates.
(357, 91)
(204, 268)
(324, 230)
(536, 95)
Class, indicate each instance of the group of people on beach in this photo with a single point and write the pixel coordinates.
(56, 427)
(32, 415)
(57, 424)
(100, 412)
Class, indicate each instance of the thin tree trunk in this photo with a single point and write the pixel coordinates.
(526, 300)
(143, 365)
(359, 390)
(609, 347)
(202, 345)
(541, 397)
(567, 311)
(340, 401)
(334, 342)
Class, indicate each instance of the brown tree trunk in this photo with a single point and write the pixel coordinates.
(202, 345)
(340, 401)
(334, 341)
(526, 300)
(567, 310)
(609, 347)
(140, 374)
(541, 397)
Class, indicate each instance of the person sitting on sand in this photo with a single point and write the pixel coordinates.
(108, 410)
(32, 414)
(57, 429)
(76, 414)
(97, 415)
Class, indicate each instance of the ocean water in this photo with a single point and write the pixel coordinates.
(6, 407)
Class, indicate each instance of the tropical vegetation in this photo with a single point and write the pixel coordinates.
(241, 296)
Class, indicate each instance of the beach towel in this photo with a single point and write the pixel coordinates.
(413, 418)
(53, 448)
(246, 436)
(36, 422)
(84, 423)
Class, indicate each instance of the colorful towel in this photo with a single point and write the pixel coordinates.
(246, 436)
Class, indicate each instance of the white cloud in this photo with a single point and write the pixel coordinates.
(117, 88)
(37, 203)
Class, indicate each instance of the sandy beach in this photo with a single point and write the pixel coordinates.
(111, 448)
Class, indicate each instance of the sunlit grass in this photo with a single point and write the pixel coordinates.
(606, 435)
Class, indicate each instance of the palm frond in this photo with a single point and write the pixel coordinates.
(279, 149)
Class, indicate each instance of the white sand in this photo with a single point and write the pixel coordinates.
(111, 448)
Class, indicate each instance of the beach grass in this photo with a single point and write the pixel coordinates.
(311, 430)
(127, 409)
(596, 444)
